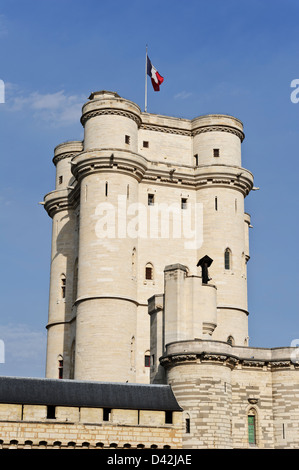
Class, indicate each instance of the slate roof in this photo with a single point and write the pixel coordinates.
(60, 392)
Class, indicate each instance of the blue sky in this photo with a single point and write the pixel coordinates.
(235, 57)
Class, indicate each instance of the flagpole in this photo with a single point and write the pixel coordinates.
(145, 99)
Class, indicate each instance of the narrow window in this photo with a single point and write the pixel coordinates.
(60, 368)
(150, 199)
(216, 152)
(251, 429)
(127, 139)
(106, 188)
(196, 160)
(168, 417)
(106, 414)
(145, 144)
(227, 259)
(147, 360)
(236, 205)
(216, 203)
(51, 412)
(153, 360)
(187, 425)
(184, 203)
(63, 285)
(128, 191)
(60, 179)
(283, 431)
(230, 340)
(149, 275)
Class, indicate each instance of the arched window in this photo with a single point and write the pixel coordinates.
(62, 285)
(230, 340)
(252, 419)
(149, 272)
(60, 366)
(227, 258)
(147, 359)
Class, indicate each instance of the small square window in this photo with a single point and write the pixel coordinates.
(184, 203)
(106, 414)
(51, 412)
(168, 417)
(145, 144)
(150, 199)
(127, 139)
(216, 152)
(149, 273)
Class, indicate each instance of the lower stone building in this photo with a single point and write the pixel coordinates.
(66, 414)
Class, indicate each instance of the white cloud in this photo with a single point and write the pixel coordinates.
(58, 108)
(183, 95)
(22, 343)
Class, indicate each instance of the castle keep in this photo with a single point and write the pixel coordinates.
(137, 165)
(148, 340)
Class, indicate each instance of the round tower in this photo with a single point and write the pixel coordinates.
(222, 184)
(108, 172)
(200, 376)
(62, 210)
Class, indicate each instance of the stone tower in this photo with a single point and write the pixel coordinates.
(142, 192)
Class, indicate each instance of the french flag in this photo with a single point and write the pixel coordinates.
(156, 78)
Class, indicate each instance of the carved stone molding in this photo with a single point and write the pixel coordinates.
(214, 357)
(165, 129)
(98, 161)
(192, 133)
(253, 363)
(56, 205)
(225, 359)
(219, 128)
(253, 401)
(62, 156)
(280, 364)
(109, 111)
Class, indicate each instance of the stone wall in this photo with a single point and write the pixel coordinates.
(27, 426)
